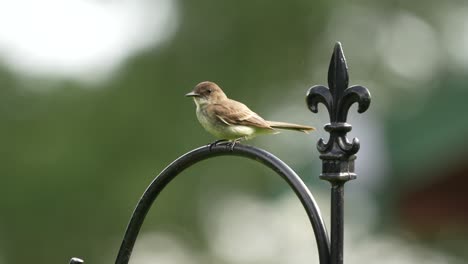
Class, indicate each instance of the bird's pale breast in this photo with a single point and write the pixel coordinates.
(221, 130)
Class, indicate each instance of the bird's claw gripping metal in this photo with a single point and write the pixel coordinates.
(217, 142)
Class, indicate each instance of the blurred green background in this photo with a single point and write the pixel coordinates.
(92, 109)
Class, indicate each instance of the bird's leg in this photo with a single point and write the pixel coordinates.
(217, 142)
(235, 141)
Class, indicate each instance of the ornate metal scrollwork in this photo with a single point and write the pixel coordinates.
(337, 153)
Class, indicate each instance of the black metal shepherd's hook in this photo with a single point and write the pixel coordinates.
(337, 154)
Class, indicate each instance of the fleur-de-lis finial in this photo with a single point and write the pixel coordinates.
(337, 153)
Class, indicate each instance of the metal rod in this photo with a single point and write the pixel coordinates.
(337, 155)
(337, 222)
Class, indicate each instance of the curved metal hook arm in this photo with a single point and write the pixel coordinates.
(202, 153)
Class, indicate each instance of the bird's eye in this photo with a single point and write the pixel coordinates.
(209, 91)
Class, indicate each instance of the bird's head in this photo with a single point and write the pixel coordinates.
(207, 93)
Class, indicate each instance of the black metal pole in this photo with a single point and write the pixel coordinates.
(337, 154)
(337, 223)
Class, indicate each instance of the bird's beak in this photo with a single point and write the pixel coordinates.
(192, 94)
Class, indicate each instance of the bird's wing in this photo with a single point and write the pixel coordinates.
(236, 113)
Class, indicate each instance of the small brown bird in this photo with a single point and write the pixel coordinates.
(232, 121)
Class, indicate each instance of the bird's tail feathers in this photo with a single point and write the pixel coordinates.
(289, 126)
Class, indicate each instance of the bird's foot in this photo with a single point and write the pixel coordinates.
(217, 142)
(233, 143)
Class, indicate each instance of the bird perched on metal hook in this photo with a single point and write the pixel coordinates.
(231, 121)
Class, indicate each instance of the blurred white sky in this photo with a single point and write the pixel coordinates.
(79, 39)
